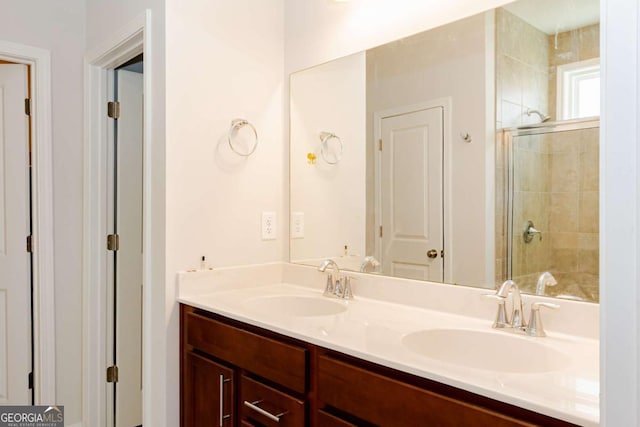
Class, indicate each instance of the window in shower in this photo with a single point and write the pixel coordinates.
(579, 89)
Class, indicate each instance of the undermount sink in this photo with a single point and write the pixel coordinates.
(301, 306)
(491, 351)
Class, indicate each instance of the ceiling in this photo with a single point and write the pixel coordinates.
(566, 14)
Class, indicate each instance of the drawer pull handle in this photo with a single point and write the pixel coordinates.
(222, 416)
(255, 407)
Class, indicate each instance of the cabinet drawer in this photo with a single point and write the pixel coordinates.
(276, 361)
(384, 401)
(268, 406)
(326, 419)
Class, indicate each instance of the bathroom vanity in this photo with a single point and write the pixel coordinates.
(238, 374)
(282, 354)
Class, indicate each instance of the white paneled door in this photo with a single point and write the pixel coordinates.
(128, 271)
(411, 194)
(15, 282)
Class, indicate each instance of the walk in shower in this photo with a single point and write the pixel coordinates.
(548, 195)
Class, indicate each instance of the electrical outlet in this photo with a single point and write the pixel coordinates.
(268, 225)
(297, 225)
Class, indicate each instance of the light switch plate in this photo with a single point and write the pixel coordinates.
(268, 225)
(297, 225)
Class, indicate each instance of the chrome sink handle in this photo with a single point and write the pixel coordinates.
(501, 315)
(347, 292)
(328, 290)
(535, 328)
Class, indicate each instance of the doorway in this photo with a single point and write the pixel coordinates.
(16, 286)
(32, 183)
(125, 244)
(410, 193)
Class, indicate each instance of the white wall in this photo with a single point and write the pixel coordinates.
(330, 98)
(620, 214)
(59, 27)
(224, 61)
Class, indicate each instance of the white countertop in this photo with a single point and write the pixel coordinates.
(372, 329)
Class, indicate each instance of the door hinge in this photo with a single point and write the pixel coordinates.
(113, 109)
(29, 243)
(113, 242)
(27, 106)
(112, 374)
(380, 144)
(30, 380)
(380, 232)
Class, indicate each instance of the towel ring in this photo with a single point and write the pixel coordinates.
(236, 125)
(325, 137)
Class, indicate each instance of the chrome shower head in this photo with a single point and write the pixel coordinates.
(543, 117)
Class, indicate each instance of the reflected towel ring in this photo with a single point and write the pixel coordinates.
(236, 125)
(325, 137)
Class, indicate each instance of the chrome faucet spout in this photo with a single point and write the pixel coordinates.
(510, 287)
(368, 261)
(329, 262)
(333, 279)
(545, 279)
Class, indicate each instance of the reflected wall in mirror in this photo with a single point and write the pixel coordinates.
(415, 182)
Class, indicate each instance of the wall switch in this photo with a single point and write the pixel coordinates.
(297, 225)
(268, 225)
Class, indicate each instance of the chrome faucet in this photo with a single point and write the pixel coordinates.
(510, 287)
(534, 326)
(333, 280)
(545, 279)
(368, 261)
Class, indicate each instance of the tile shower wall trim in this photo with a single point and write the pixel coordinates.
(572, 318)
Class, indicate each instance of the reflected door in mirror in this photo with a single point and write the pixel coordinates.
(411, 194)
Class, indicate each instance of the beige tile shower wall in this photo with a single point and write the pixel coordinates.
(567, 47)
(521, 83)
(521, 73)
(573, 222)
(532, 202)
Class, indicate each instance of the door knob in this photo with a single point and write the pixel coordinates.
(432, 253)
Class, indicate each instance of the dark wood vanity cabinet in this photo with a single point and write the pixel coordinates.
(209, 394)
(234, 374)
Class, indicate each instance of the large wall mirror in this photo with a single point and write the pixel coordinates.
(466, 154)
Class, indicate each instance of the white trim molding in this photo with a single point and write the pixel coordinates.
(42, 211)
(123, 45)
(620, 214)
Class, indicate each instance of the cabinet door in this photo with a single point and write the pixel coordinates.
(208, 390)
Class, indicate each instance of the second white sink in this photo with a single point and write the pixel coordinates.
(300, 306)
(492, 351)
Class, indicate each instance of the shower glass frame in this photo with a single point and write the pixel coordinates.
(508, 135)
